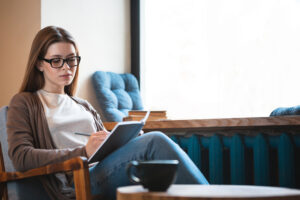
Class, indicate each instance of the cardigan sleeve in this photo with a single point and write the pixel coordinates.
(28, 138)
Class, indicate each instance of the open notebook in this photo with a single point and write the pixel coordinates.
(122, 133)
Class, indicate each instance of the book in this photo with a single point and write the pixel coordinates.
(122, 133)
(135, 115)
(139, 117)
(159, 113)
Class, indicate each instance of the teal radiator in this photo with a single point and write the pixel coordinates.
(256, 159)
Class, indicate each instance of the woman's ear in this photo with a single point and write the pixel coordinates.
(39, 66)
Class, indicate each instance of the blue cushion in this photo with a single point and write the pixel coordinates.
(116, 94)
(295, 110)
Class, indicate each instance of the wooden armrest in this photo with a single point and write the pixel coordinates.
(68, 165)
(79, 166)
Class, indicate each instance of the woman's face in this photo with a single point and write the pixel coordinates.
(57, 78)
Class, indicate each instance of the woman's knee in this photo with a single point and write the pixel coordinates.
(156, 135)
(158, 138)
(160, 146)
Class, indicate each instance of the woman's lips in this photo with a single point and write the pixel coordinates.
(66, 75)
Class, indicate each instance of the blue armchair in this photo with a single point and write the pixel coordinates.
(117, 94)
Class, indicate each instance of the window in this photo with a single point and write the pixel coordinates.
(215, 59)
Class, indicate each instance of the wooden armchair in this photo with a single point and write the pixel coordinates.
(9, 178)
(78, 165)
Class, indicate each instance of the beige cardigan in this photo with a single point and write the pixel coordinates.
(31, 145)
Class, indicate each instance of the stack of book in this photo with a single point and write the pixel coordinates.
(137, 115)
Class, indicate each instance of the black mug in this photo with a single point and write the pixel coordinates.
(155, 175)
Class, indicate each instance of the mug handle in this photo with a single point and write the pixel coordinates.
(131, 176)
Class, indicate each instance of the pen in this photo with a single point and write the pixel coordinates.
(85, 134)
(103, 127)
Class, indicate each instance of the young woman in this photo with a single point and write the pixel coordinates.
(43, 117)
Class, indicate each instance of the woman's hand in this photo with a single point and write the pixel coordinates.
(94, 142)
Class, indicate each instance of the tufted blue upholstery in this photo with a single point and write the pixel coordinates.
(116, 94)
(295, 110)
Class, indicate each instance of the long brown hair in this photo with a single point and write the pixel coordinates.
(34, 79)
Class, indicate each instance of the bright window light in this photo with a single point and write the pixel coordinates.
(220, 59)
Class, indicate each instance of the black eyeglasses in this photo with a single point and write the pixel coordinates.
(59, 62)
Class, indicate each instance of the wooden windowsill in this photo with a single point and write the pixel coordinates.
(219, 124)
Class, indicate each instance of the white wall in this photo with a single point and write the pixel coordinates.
(102, 31)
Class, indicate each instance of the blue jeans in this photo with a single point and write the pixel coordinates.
(110, 173)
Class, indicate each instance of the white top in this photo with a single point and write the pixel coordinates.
(65, 117)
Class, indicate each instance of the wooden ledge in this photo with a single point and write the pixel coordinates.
(219, 124)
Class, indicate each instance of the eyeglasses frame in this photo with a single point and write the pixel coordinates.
(64, 61)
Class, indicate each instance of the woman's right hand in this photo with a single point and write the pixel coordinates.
(95, 140)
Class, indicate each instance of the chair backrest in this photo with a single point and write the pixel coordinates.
(116, 94)
(11, 187)
(23, 189)
(3, 139)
